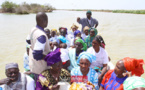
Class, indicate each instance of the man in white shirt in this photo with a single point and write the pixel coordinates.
(16, 80)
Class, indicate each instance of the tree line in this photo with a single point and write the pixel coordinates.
(25, 8)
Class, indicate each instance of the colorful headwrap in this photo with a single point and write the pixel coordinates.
(135, 66)
(54, 30)
(94, 29)
(74, 26)
(86, 28)
(53, 57)
(11, 65)
(86, 55)
(83, 43)
(76, 32)
(63, 39)
(63, 28)
(133, 82)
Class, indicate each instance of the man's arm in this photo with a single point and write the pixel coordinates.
(39, 47)
(96, 23)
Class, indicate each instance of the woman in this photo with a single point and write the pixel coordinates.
(74, 27)
(100, 64)
(80, 46)
(113, 79)
(54, 36)
(86, 32)
(49, 78)
(92, 33)
(84, 71)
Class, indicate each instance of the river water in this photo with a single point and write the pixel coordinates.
(124, 34)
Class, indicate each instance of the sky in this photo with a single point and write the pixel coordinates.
(88, 4)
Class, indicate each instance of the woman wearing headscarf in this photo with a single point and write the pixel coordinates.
(86, 32)
(80, 46)
(113, 79)
(49, 78)
(92, 33)
(84, 71)
(77, 33)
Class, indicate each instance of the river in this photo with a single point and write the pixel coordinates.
(124, 34)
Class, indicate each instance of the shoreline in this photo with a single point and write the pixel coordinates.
(112, 11)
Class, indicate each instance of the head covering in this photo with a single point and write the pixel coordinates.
(63, 28)
(133, 82)
(94, 29)
(89, 12)
(76, 32)
(86, 28)
(83, 43)
(63, 39)
(11, 65)
(74, 26)
(86, 55)
(53, 57)
(135, 66)
(54, 30)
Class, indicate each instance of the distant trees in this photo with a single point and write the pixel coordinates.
(25, 8)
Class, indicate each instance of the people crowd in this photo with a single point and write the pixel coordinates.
(54, 55)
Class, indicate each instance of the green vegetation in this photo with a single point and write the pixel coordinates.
(129, 11)
(114, 11)
(24, 8)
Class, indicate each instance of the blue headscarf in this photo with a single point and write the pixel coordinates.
(63, 39)
(76, 32)
(86, 55)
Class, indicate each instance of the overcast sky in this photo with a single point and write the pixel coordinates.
(88, 4)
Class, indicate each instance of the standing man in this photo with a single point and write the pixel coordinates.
(39, 45)
(89, 21)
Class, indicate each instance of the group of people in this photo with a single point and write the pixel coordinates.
(58, 56)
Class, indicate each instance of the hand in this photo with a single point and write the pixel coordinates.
(5, 81)
(55, 87)
(28, 72)
(78, 19)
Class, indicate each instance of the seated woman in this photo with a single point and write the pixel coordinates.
(92, 33)
(80, 46)
(49, 78)
(84, 71)
(77, 33)
(86, 32)
(100, 64)
(113, 79)
(53, 36)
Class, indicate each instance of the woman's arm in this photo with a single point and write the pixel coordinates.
(101, 88)
(104, 70)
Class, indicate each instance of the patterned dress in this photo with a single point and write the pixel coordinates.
(92, 76)
(111, 82)
(46, 80)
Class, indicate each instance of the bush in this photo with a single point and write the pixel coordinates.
(8, 6)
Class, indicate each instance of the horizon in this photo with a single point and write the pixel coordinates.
(94, 4)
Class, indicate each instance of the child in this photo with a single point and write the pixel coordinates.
(64, 56)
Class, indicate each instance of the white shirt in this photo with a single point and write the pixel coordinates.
(84, 36)
(89, 20)
(64, 55)
(30, 84)
(101, 57)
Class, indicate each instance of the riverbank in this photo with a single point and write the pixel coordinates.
(113, 11)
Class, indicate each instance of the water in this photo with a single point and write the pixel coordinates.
(124, 34)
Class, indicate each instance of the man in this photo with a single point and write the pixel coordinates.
(39, 45)
(16, 80)
(89, 21)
